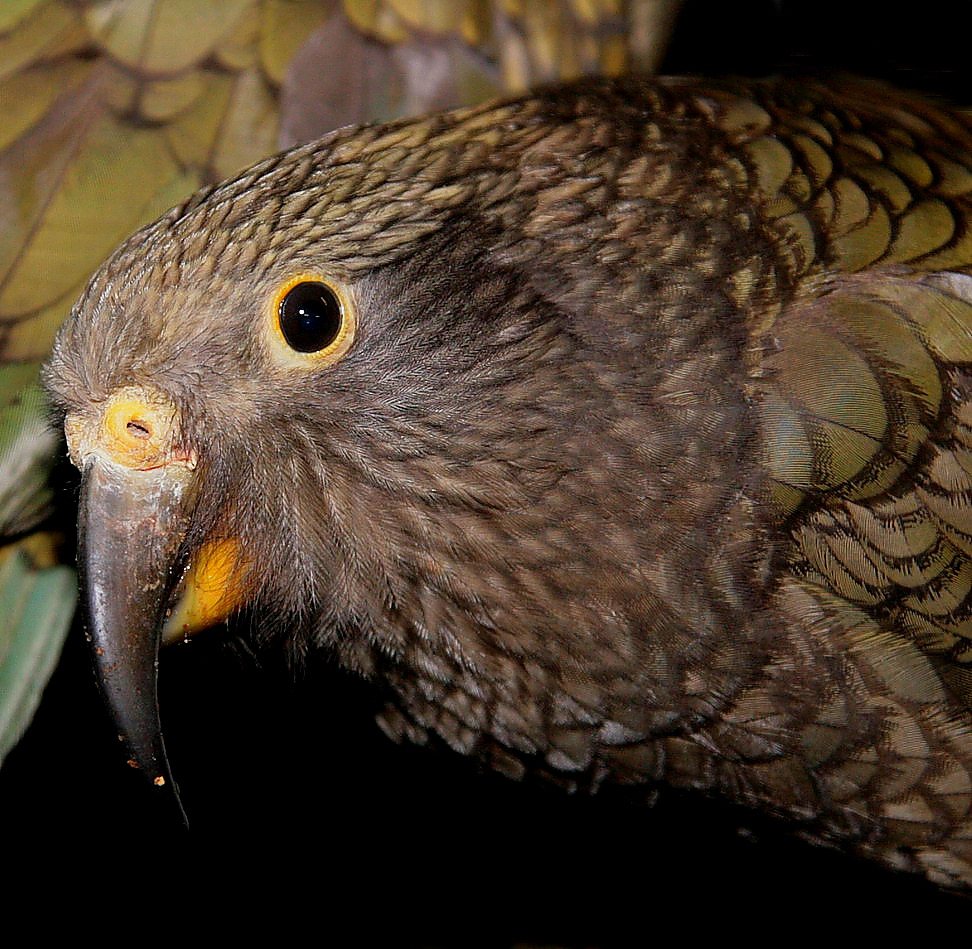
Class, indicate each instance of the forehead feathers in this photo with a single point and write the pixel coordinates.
(354, 201)
(357, 200)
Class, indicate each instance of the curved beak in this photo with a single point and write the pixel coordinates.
(131, 526)
(138, 494)
(136, 501)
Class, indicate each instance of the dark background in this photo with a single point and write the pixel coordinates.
(289, 785)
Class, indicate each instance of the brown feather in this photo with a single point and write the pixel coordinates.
(651, 459)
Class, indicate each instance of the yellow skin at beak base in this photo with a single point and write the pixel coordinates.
(211, 590)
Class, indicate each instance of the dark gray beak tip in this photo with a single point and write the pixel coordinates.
(131, 527)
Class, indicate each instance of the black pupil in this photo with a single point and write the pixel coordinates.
(310, 317)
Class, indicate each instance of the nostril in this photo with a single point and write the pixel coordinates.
(138, 427)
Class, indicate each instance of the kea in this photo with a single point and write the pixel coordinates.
(620, 433)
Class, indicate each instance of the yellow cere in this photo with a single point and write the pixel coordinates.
(135, 428)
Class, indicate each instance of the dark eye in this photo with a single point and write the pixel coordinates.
(311, 317)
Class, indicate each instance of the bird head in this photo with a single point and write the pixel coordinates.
(395, 392)
(270, 389)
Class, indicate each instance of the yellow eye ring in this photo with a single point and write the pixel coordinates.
(313, 319)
